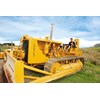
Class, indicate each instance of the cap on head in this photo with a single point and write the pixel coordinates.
(71, 39)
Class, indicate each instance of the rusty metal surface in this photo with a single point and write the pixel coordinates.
(1, 69)
(8, 75)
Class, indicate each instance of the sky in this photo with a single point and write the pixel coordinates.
(86, 28)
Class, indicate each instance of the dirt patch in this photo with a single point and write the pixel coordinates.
(1, 62)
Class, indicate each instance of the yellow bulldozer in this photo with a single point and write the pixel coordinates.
(48, 59)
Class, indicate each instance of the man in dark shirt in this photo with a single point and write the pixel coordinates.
(71, 44)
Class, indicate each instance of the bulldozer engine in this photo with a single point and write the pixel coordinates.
(53, 57)
(38, 51)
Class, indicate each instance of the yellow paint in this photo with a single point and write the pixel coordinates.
(19, 72)
(46, 48)
(31, 77)
(1, 55)
(55, 68)
(36, 70)
(35, 55)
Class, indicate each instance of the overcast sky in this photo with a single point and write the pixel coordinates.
(87, 29)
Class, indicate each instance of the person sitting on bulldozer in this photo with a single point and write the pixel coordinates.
(71, 44)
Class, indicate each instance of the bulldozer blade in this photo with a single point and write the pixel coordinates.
(9, 68)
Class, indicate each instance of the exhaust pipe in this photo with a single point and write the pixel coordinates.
(51, 33)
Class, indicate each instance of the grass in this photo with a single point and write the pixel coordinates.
(96, 48)
(92, 55)
(3, 48)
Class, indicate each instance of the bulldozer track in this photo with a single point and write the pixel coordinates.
(51, 61)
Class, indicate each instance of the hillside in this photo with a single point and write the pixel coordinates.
(92, 55)
(97, 45)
